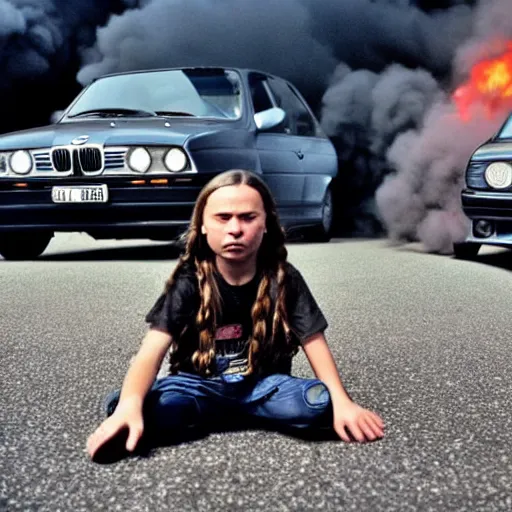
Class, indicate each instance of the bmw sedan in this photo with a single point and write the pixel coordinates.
(130, 154)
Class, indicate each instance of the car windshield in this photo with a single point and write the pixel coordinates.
(200, 93)
(506, 130)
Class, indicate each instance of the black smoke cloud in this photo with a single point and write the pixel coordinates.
(372, 70)
(266, 35)
(40, 41)
(299, 39)
(371, 35)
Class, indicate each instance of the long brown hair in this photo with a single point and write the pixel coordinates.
(272, 256)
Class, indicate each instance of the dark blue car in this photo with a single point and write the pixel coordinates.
(129, 156)
(487, 195)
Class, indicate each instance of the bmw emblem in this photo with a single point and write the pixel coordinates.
(80, 140)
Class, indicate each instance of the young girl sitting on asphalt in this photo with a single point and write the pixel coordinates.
(233, 314)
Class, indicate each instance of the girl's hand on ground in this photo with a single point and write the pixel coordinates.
(363, 425)
(127, 415)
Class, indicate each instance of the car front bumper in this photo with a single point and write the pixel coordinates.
(131, 210)
(494, 207)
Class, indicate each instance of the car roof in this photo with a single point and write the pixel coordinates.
(243, 71)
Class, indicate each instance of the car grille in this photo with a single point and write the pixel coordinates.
(114, 158)
(61, 160)
(43, 160)
(82, 160)
(90, 159)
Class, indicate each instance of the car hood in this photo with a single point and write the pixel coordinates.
(116, 132)
(492, 151)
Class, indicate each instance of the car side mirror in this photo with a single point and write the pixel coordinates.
(269, 118)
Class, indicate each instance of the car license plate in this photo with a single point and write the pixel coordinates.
(80, 194)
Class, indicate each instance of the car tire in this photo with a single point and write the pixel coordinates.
(466, 250)
(23, 246)
(323, 232)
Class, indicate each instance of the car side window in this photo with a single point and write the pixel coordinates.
(260, 98)
(298, 119)
(306, 124)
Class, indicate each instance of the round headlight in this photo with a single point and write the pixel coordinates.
(21, 162)
(175, 160)
(499, 175)
(139, 160)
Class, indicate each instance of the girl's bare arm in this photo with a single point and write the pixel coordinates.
(139, 378)
(320, 358)
(144, 366)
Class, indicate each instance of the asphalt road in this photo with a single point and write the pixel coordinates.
(425, 340)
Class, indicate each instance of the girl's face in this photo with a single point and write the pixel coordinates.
(234, 221)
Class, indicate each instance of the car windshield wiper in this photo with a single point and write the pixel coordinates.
(115, 112)
(173, 113)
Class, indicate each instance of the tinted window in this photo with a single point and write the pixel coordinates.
(259, 95)
(298, 119)
(202, 93)
(506, 131)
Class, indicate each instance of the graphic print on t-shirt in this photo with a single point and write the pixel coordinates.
(229, 343)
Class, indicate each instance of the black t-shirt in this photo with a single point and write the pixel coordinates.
(175, 312)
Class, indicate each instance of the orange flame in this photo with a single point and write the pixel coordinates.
(489, 84)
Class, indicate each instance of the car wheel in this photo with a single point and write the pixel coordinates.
(466, 250)
(23, 246)
(323, 232)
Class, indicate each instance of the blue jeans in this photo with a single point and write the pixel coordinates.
(184, 401)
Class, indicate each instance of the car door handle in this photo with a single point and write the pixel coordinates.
(300, 154)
